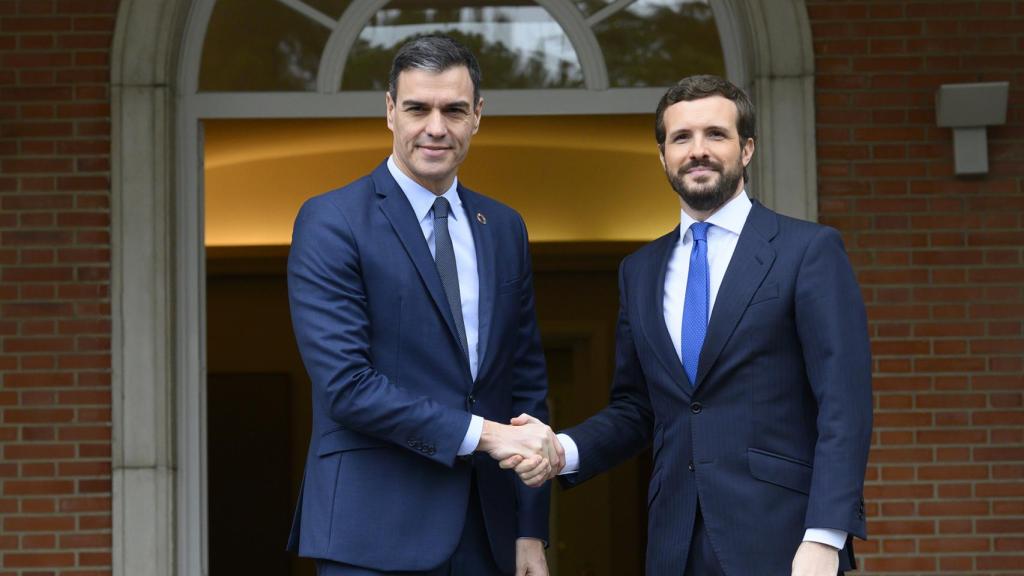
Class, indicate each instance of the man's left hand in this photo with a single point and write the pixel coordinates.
(815, 559)
(530, 559)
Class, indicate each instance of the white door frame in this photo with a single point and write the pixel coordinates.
(158, 264)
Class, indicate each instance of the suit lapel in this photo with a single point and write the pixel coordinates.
(654, 310)
(399, 212)
(750, 263)
(483, 242)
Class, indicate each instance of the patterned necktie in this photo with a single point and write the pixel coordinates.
(444, 257)
(695, 308)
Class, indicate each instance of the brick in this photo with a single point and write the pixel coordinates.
(960, 472)
(983, 454)
(97, 522)
(954, 508)
(1011, 562)
(85, 541)
(1009, 544)
(79, 433)
(94, 450)
(85, 504)
(38, 560)
(902, 527)
(39, 524)
(38, 433)
(964, 364)
(37, 506)
(21, 345)
(965, 436)
(39, 379)
(34, 451)
(38, 541)
(946, 545)
(94, 559)
(898, 491)
(18, 487)
(955, 527)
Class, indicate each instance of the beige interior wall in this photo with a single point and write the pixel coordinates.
(574, 178)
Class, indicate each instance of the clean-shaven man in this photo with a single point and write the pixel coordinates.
(412, 303)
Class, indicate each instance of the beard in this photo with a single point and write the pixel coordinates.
(708, 196)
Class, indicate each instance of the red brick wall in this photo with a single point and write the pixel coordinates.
(54, 286)
(940, 263)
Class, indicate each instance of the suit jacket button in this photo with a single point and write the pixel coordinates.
(412, 443)
(471, 400)
(690, 466)
(696, 407)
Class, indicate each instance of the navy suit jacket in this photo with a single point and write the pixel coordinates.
(392, 390)
(773, 436)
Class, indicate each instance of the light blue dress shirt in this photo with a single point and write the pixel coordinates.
(422, 201)
(723, 235)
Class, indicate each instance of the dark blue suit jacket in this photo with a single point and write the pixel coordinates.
(392, 390)
(773, 437)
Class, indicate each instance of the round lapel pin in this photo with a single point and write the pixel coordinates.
(481, 218)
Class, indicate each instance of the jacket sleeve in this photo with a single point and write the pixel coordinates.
(332, 328)
(529, 395)
(832, 326)
(623, 428)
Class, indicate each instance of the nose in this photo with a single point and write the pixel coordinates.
(436, 127)
(697, 148)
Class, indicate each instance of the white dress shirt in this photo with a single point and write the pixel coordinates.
(422, 201)
(723, 234)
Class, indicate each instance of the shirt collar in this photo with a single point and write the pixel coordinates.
(732, 216)
(422, 200)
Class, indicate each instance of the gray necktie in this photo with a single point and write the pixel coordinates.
(444, 257)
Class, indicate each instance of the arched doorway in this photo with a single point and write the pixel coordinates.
(158, 269)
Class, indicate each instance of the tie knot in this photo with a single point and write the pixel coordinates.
(700, 230)
(441, 207)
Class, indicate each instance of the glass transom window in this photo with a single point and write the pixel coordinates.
(329, 46)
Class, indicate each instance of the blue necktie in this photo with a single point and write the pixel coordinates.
(444, 257)
(695, 308)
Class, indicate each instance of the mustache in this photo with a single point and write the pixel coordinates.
(700, 163)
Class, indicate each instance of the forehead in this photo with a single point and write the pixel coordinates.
(694, 114)
(449, 85)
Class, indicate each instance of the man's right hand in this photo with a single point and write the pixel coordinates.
(528, 445)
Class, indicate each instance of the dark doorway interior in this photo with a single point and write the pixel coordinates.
(258, 410)
(249, 471)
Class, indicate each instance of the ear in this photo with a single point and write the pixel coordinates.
(748, 151)
(390, 104)
(661, 156)
(477, 113)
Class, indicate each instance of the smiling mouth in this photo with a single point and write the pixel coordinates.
(700, 171)
(434, 150)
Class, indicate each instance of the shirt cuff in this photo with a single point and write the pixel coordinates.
(472, 439)
(572, 455)
(827, 536)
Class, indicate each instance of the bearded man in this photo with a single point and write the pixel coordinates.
(742, 353)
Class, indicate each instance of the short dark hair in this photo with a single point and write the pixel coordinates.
(706, 86)
(434, 53)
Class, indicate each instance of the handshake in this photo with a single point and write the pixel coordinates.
(528, 446)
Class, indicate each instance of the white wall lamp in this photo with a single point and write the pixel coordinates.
(968, 109)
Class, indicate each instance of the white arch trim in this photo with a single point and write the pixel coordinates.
(358, 14)
(157, 268)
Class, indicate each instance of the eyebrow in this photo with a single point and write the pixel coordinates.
(706, 129)
(458, 104)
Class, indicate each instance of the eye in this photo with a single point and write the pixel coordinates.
(716, 134)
